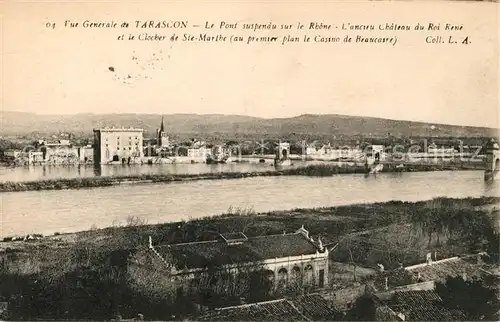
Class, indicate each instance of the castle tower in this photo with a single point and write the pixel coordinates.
(162, 136)
(492, 163)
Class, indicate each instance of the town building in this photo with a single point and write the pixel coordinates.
(12, 154)
(409, 293)
(35, 157)
(285, 258)
(63, 152)
(118, 145)
(198, 152)
(201, 153)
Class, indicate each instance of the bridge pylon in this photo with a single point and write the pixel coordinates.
(492, 163)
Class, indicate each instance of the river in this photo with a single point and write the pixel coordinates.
(33, 173)
(61, 211)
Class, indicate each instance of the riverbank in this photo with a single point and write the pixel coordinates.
(319, 170)
(70, 271)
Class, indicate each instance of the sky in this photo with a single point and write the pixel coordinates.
(62, 70)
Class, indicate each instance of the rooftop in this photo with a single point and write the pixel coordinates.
(118, 129)
(234, 237)
(279, 310)
(315, 307)
(303, 308)
(237, 248)
(440, 270)
(423, 306)
(436, 271)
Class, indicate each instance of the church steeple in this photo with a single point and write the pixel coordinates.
(162, 136)
(162, 126)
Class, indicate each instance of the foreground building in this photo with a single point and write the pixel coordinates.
(118, 145)
(285, 257)
(311, 307)
(419, 304)
(409, 293)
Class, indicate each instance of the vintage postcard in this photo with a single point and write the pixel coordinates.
(249, 160)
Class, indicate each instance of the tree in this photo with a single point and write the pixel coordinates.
(362, 310)
(476, 300)
(356, 252)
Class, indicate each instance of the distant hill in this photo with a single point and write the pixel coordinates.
(18, 123)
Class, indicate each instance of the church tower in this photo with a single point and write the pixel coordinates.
(162, 136)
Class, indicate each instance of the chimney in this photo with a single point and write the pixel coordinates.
(428, 258)
(435, 256)
(303, 231)
(320, 245)
(386, 283)
(150, 242)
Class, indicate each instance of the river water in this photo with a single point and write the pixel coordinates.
(47, 212)
(33, 173)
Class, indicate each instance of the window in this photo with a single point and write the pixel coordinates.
(282, 276)
(296, 273)
(308, 274)
(269, 275)
(321, 278)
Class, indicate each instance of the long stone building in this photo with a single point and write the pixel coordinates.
(284, 257)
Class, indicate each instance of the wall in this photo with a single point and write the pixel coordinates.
(342, 298)
(120, 144)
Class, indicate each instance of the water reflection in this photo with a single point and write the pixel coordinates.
(32, 173)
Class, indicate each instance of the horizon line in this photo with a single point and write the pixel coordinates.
(255, 117)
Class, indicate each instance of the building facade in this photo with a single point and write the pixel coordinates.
(118, 145)
(285, 258)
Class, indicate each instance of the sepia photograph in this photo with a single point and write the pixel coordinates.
(249, 161)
